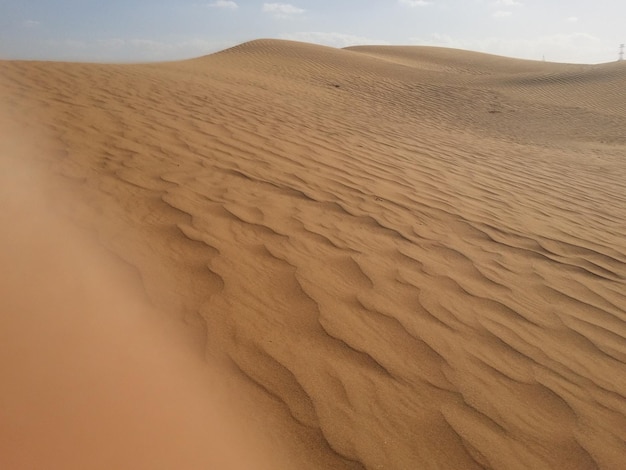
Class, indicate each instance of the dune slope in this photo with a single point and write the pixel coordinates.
(412, 257)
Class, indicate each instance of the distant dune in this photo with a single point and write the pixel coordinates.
(407, 257)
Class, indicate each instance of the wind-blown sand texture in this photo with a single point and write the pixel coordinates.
(412, 257)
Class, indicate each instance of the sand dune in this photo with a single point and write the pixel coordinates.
(411, 257)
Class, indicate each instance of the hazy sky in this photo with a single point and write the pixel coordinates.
(142, 30)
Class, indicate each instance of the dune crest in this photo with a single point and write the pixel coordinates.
(411, 257)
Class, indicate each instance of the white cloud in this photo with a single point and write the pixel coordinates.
(282, 10)
(503, 6)
(575, 47)
(414, 3)
(165, 50)
(111, 43)
(571, 19)
(66, 47)
(502, 14)
(332, 39)
(508, 3)
(31, 23)
(226, 4)
(130, 49)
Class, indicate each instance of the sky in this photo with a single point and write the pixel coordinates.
(576, 31)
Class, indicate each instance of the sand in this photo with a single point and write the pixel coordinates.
(399, 257)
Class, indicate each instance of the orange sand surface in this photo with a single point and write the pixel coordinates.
(290, 256)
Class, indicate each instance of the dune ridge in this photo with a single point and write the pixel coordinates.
(413, 257)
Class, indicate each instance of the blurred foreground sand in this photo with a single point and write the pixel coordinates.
(92, 376)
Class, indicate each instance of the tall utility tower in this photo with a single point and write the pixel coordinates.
(621, 52)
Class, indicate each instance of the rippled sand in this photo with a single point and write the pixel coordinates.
(408, 257)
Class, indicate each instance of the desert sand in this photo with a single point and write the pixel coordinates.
(376, 257)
